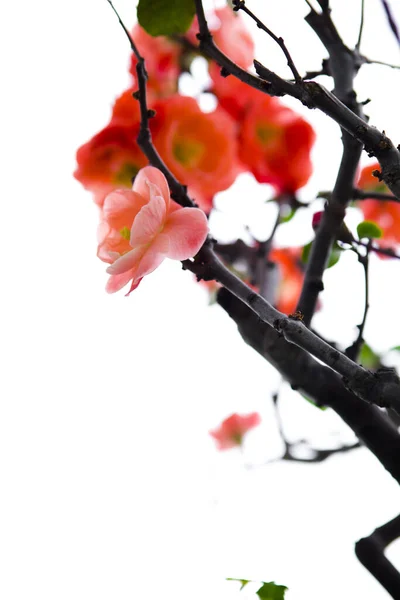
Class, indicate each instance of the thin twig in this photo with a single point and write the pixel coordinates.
(369, 61)
(316, 455)
(353, 350)
(128, 35)
(365, 195)
(240, 5)
(391, 21)
(361, 26)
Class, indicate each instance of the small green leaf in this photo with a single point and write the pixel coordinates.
(287, 216)
(335, 256)
(368, 229)
(333, 259)
(306, 253)
(368, 358)
(242, 581)
(271, 591)
(165, 17)
(395, 349)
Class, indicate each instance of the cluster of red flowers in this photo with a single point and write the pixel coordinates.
(248, 131)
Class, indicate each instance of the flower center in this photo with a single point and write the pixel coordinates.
(266, 134)
(125, 233)
(126, 174)
(187, 152)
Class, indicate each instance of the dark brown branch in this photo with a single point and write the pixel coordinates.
(381, 388)
(370, 551)
(362, 195)
(321, 384)
(240, 5)
(343, 65)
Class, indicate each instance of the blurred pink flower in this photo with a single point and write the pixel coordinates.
(231, 431)
(143, 226)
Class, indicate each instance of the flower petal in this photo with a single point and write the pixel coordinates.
(187, 230)
(117, 282)
(153, 257)
(154, 176)
(127, 262)
(121, 207)
(148, 222)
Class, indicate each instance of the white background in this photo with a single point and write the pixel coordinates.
(110, 484)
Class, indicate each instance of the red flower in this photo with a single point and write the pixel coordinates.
(233, 38)
(291, 278)
(232, 430)
(109, 161)
(275, 145)
(162, 57)
(385, 214)
(199, 148)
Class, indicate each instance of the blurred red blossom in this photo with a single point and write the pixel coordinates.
(275, 144)
(109, 160)
(386, 214)
(199, 148)
(232, 430)
(291, 278)
(162, 61)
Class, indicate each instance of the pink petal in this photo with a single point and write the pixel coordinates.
(153, 257)
(154, 176)
(117, 282)
(121, 207)
(127, 262)
(148, 222)
(187, 230)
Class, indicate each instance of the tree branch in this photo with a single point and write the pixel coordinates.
(370, 552)
(240, 5)
(343, 65)
(312, 95)
(321, 384)
(381, 388)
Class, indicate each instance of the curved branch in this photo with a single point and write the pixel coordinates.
(370, 552)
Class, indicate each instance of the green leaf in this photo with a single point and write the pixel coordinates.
(368, 229)
(272, 591)
(306, 253)
(242, 581)
(165, 17)
(368, 358)
(287, 216)
(333, 259)
(395, 349)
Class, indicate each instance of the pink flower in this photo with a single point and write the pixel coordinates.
(142, 226)
(231, 431)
